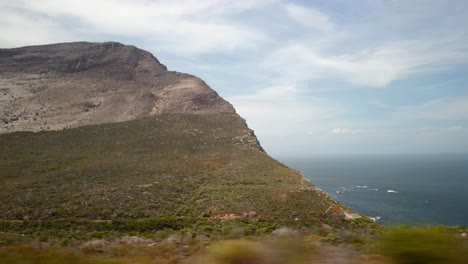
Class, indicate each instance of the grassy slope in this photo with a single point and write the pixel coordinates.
(169, 165)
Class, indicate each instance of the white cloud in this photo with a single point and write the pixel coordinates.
(309, 17)
(379, 104)
(375, 67)
(344, 131)
(214, 26)
(17, 30)
(442, 109)
(287, 103)
(285, 111)
(181, 26)
(436, 131)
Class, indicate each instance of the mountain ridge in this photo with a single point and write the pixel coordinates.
(56, 86)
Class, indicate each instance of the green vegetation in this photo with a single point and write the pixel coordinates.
(72, 232)
(411, 245)
(237, 252)
(392, 245)
(170, 165)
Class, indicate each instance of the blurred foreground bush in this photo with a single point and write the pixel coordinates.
(411, 245)
(30, 255)
(273, 251)
(237, 252)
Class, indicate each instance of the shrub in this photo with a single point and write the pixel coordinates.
(332, 238)
(237, 252)
(409, 245)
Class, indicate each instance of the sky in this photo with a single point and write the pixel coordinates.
(310, 77)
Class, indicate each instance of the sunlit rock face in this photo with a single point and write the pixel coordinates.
(51, 87)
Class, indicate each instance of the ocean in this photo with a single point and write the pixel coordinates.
(394, 189)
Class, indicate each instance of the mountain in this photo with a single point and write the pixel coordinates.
(58, 86)
(103, 131)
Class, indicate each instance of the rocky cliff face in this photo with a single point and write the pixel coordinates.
(51, 87)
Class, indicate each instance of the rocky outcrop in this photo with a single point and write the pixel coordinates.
(52, 87)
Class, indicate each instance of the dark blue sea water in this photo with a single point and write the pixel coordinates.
(400, 189)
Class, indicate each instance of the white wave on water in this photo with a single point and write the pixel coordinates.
(392, 191)
(373, 189)
(361, 186)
